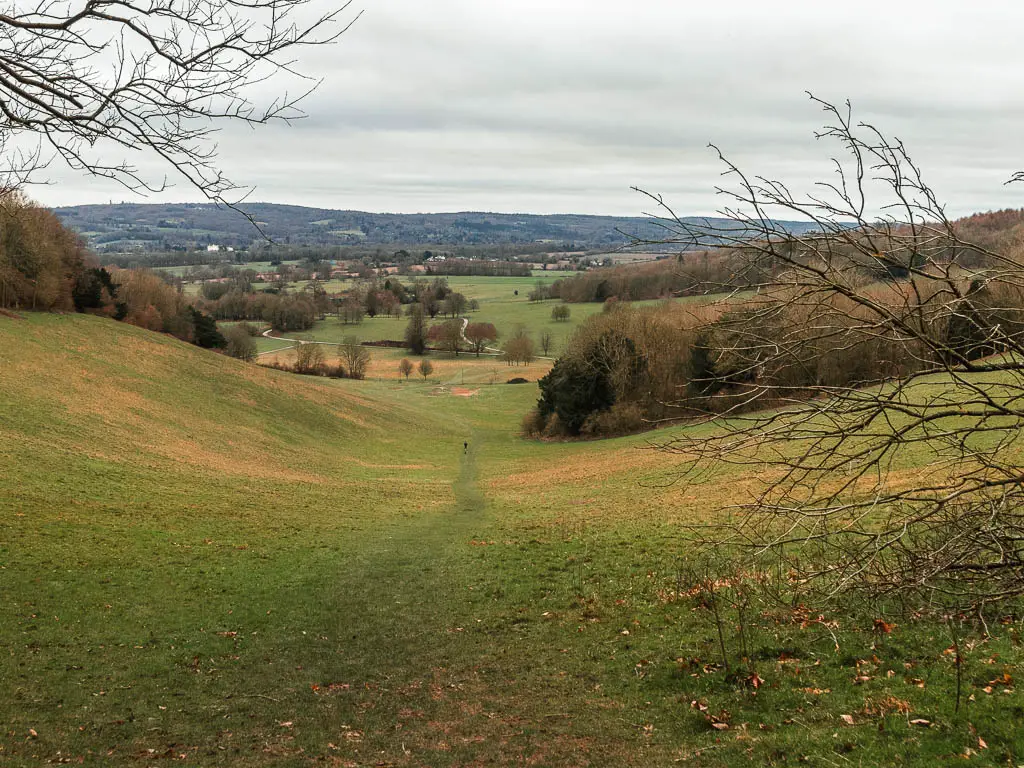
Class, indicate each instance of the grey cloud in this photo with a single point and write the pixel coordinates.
(545, 107)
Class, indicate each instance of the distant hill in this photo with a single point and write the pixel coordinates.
(161, 227)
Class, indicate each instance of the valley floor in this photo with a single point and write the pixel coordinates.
(214, 563)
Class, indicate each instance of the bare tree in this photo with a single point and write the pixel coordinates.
(546, 342)
(425, 368)
(560, 313)
(354, 357)
(519, 348)
(240, 344)
(415, 331)
(85, 81)
(479, 335)
(405, 367)
(309, 359)
(877, 341)
(448, 335)
(455, 304)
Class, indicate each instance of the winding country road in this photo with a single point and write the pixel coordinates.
(298, 343)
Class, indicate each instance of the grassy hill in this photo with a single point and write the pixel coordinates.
(216, 563)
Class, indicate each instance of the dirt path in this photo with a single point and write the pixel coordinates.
(401, 606)
(429, 673)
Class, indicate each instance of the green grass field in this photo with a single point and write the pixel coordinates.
(503, 301)
(499, 305)
(220, 564)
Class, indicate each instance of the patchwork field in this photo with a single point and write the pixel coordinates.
(503, 301)
(220, 564)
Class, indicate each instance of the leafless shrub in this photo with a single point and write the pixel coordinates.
(309, 359)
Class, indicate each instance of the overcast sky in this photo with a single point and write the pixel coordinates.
(563, 105)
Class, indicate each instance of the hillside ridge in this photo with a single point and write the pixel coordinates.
(152, 226)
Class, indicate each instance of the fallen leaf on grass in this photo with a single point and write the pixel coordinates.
(848, 719)
(884, 706)
(922, 722)
(719, 722)
(329, 687)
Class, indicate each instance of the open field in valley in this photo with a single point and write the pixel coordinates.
(503, 301)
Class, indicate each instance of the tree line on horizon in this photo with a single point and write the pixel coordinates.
(713, 270)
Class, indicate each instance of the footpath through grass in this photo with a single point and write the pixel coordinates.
(217, 564)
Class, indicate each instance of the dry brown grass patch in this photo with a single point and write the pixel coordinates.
(579, 468)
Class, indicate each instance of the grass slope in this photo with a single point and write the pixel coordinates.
(227, 565)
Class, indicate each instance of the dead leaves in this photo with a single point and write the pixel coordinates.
(330, 688)
(719, 722)
(886, 705)
(1004, 681)
(171, 753)
(883, 627)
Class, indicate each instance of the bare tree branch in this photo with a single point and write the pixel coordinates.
(875, 380)
(93, 79)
